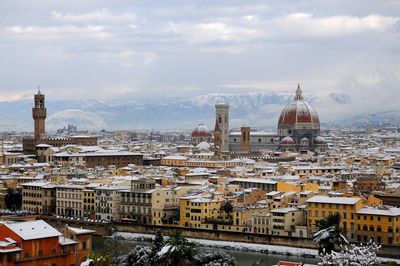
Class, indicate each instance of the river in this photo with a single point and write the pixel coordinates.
(245, 258)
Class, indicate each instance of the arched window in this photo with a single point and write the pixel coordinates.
(371, 228)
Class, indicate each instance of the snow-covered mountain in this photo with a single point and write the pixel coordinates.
(256, 109)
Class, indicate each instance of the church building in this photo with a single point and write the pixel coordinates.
(298, 130)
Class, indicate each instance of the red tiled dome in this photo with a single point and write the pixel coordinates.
(201, 131)
(298, 112)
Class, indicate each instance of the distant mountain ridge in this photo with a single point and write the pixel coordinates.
(256, 109)
(376, 120)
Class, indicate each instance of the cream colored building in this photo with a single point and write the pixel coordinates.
(70, 200)
(108, 201)
(284, 221)
(165, 204)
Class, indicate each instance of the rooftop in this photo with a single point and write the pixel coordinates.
(333, 200)
(33, 229)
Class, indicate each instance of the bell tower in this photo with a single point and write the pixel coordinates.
(222, 121)
(39, 114)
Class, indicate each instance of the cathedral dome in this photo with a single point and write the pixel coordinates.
(298, 113)
(201, 131)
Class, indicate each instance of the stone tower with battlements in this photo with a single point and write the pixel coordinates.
(39, 114)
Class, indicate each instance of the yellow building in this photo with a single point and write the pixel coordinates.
(381, 224)
(198, 210)
(38, 197)
(286, 186)
(89, 205)
(319, 207)
(165, 204)
(315, 170)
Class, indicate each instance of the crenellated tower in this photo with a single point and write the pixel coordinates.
(39, 114)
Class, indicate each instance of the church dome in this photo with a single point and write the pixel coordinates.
(201, 131)
(204, 146)
(298, 112)
(320, 140)
(287, 141)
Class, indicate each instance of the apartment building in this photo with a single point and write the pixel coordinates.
(108, 201)
(70, 200)
(39, 197)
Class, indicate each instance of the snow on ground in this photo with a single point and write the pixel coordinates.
(87, 262)
(231, 245)
(263, 248)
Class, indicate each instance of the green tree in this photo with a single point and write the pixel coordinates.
(158, 243)
(227, 209)
(177, 251)
(99, 259)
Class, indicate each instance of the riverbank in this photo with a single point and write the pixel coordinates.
(242, 257)
(241, 246)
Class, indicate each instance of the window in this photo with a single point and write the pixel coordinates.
(9, 257)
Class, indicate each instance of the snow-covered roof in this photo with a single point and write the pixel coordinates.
(380, 210)
(63, 241)
(254, 180)
(333, 200)
(175, 157)
(33, 229)
(284, 210)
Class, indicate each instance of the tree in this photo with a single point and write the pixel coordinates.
(227, 207)
(158, 243)
(140, 256)
(209, 258)
(13, 199)
(328, 236)
(96, 259)
(177, 251)
(352, 255)
(330, 220)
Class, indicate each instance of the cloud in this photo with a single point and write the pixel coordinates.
(307, 25)
(46, 32)
(82, 119)
(213, 31)
(248, 28)
(340, 98)
(102, 15)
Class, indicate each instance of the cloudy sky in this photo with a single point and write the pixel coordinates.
(348, 50)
